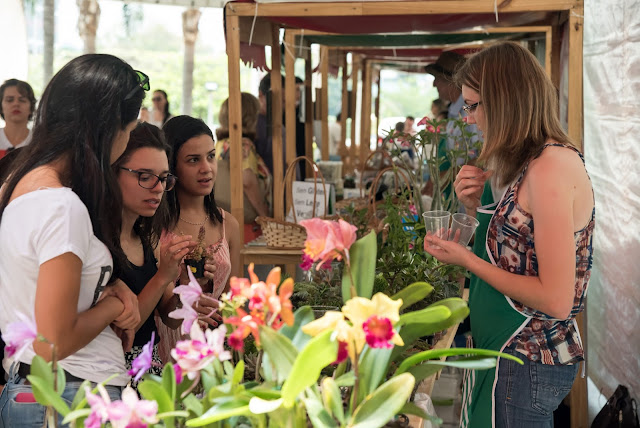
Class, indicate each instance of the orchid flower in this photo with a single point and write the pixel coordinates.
(187, 314)
(99, 404)
(189, 293)
(131, 412)
(328, 240)
(19, 335)
(203, 347)
(144, 361)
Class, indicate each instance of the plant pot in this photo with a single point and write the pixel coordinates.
(400, 421)
(196, 266)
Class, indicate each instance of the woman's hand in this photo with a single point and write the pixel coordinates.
(469, 185)
(130, 316)
(126, 336)
(173, 248)
(447, 251)
(207, 308)
(209, 269)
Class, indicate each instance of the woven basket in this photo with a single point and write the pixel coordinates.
(363, 200)
(286, 235)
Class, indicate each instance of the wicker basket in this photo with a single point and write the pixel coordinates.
(286, 235)
(363, 200)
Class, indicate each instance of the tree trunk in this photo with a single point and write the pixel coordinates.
(88, 20)
(48, 20)
(190, 19)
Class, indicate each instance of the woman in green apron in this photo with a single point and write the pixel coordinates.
(524, 292)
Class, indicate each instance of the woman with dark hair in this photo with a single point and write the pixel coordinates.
(160, 113)
(193, 210)
(529, 279)
(143, 175)
(60, 248)
(17, 104)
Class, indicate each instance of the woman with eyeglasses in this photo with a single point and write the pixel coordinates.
(530, 277)
(193, 211)
(143, 175)
(61, 255)
(160, 113)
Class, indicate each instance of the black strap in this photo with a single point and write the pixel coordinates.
(24, 370)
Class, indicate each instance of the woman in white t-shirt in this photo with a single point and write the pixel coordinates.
(17, 104)
(59, 247)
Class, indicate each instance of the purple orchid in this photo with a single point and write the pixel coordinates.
(187, 314)
(19, 335)
(189, 293)
(131, 412)
(143, 362)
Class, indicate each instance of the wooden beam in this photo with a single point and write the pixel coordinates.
(235, 122)
(276, 121)
(427, 7)
(548, 44)
(342, 149)
(308, 111)
(365, 121)
(324, 105)
(377, 102)
(289, 97)
(556, 49)
(355, 70)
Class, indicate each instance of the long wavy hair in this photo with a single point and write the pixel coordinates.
(165, 113)
(149, 229)
(178, 130)
(82, 109)
(520, 106)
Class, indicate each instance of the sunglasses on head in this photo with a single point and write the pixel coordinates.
(143, 82)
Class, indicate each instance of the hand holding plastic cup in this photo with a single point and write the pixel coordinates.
(462, 228)
(436, 223)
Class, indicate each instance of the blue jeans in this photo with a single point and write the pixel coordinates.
(32, 415)
(527, 395)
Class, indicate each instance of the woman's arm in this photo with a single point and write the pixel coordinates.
(56, 308)
(232, 232)
(252, 191)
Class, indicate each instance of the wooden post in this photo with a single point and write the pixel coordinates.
(355, 69)
(342, 151)
(289, 97)
(377, 104)
(365, 121)
(556, 48)
(235, 122)
(324, 105)
(548, 43)
(578, 396)
(308, 111)
(276, 113)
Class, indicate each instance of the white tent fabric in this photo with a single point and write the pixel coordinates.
(612, 148)
(13, 41)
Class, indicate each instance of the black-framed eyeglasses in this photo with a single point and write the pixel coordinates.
(471, 108)
(148, 180)
(143, 82)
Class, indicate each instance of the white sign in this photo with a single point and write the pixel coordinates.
(303, 200)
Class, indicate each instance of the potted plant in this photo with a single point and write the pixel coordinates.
(197, 257)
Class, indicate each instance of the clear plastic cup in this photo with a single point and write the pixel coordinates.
(462, 228)
(437, 223)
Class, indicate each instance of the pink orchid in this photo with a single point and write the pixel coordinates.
(144, 361)
(203, 347)
(378, 332)
(328, 240)
(307, 263)
(19, 335)
(131, 412)
(189, 293)
(465, 119)
(423, 121)
(343, 352)
(99, 407)
(187, 314)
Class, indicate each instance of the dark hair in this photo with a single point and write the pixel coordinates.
(265, 89)
(178, 130)
(7, 163)
(338, 116)
(82, 109)
(165, 113)
(400, 126)
(410, 118)
(149, 229)
(25, 90)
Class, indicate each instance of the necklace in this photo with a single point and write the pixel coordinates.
(196, 224)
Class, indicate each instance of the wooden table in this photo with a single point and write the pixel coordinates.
(268, 256)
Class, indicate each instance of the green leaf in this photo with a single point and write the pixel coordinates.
(413, 294)
(302, 316)
(319, 353)
(193, 404)
(259, 406)
(279, 350)
(437, 353)
(332, 398)
(80, 395)
(362, 256)
(238, 374)
(384, 403)
(265, 391)
(372, 368)
(43, 392)
(427, 316)
(428, 368)
(459, 311)
(347, 379)
(221, 412)
(153, 391)
(174, 414)
(43, 370)
(318, 415)
(169, 381)
(76, 414)
(411, 409)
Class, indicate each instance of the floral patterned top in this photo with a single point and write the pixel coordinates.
(511, 243)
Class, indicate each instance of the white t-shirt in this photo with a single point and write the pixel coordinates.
(37, 227)
(6, 144)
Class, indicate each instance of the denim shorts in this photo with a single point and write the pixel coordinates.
(527, 395)
(15, 414)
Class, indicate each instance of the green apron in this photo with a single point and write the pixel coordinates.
(493, 323)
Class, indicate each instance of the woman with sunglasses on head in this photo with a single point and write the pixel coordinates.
(193, 211)
(60, 253)
(160, 113)
(530, 279)
(143, 176)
